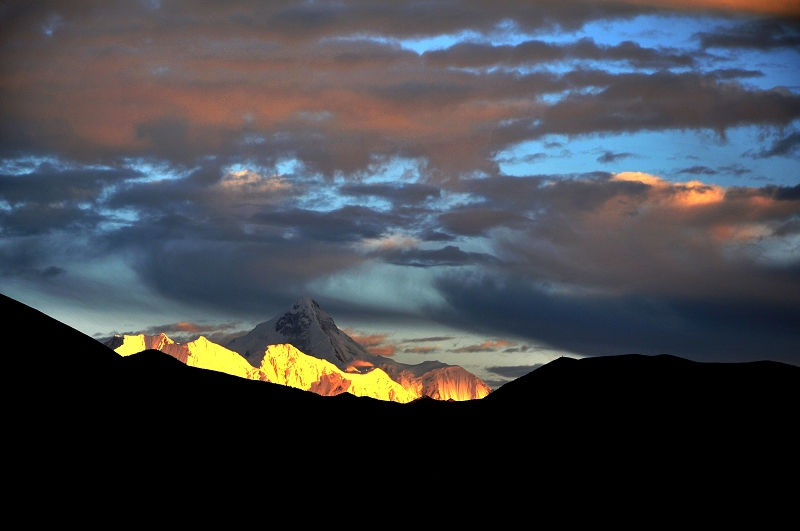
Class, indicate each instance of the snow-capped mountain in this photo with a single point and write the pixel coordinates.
(282, 364)
(306, 326)
(304, 348)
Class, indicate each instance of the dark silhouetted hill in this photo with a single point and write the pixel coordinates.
(84, 411)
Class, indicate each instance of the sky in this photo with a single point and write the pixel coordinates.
(490, 184)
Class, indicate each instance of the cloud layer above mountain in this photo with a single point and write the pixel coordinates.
(599, 177)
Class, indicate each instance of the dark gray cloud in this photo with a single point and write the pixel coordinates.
(761, 34)
(484, 54)
(782, 193)
(236, 276)
(349, 223)
(640, 102)
(568, 192)
(56, 197)
(449, 255)
(50, 183)
(787, 146)
(397, 193)
(428, 339)
(436, 236)
(486, 346)
(27, 259)
(184, 331)
(789, 228)
(698, 170)
(736, 73)
(609, 157)
(735, 169)
(512, 371)
(36, 218)
(607, 325)
(479, 220)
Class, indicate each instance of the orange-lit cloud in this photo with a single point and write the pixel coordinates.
(366, 340)
(772, 7)
(355, 364)
(373, 343)
(382, 351)
(678, 194)
(639, 233)
(361, 363)
(186, 327)
(180, 91)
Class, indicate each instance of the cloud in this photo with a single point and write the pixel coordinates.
(349, 223)
(476, 221)
(159, 137)
(762, 34)
(366, 340)
(339, 92)
(513, 371)
(734, 169)
(184, 331)
(428, 339)
(50, 183)
(734, 329)
(373, 343)
(449, 255)
(54, 197)
(674, 264)
(421, 350)
(787, 146)
(486, 346)
(782, 193)
(736, 73)
(24, 263)
(637, 233)
(404, 194)
(36, 218)
(646, 102)
(484, 54)
(698, 170)
(249, 183)
(608, 157)
(387, 350)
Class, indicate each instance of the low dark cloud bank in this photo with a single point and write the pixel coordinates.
(512, 371)
(736, 330)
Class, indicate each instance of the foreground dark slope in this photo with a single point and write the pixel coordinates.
(83, 405)
(653, 401)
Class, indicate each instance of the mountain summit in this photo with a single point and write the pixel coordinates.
(304, 348)
(307, 327)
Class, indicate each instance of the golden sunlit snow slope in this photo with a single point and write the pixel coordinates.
(282, 364)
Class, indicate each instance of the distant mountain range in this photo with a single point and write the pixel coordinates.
(304, 348)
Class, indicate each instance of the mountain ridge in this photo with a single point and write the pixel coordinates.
(307, 327)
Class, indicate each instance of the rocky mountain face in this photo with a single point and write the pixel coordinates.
(304, 348)
(306, 326)
(281, 364)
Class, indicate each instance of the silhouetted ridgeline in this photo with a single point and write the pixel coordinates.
(83, 406)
